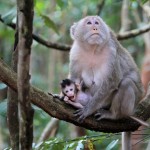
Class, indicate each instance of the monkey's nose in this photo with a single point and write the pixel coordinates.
(94, 29)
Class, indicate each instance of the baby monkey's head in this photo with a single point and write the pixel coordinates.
(69, 89)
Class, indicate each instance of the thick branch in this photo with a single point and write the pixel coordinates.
(12, 103)
(25, 22)
(63, 47)
(60, 110)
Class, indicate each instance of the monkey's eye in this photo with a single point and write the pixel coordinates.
(66, 91)
(71, 89)
(89, 22)
(96, 22)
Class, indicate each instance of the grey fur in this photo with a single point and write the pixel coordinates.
(99, 58)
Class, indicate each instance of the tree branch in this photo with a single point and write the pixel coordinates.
(65, 47)
(61, 47)
(125, 21)
(133, 33)
(100, 6)
(25, 14)
(62, 111)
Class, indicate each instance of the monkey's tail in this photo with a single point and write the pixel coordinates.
(140, 121)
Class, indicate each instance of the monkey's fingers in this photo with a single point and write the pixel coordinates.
(55, 96)
(66, 99)
(78, 112)
(81, 118)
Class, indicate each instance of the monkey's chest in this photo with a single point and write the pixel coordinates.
(93, 69)
(93, 75)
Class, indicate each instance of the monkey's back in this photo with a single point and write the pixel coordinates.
(128, 67)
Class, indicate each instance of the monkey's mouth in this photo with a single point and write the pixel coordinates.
(95, 34)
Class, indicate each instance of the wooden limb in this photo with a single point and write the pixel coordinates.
(12, 102)
(3, 93)
(25, 22)
(133, 33)
(125, 22)
(62, 111)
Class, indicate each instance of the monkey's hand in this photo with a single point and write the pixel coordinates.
(66, 99)
(81, 114)
(55, 95)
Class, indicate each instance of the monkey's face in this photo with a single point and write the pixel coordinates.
(90, 29)
(70, 92)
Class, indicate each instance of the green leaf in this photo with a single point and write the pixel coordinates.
(62, 3)
(112, 144)
(70, 146)
(9, 16)
(144, 1)
(80, 145)
(49, 23)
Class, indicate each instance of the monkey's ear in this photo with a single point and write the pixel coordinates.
(72, 30)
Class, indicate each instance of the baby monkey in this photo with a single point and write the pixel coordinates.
(74, 94)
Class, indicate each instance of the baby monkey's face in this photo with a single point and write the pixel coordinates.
(70, 91)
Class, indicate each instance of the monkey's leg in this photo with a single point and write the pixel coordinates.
(123, 104)
(123, 101)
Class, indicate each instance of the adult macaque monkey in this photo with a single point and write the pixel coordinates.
(107, 70)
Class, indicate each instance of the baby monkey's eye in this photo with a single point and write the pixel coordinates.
(66, 91)
(71, 89)
(96, 22)
(89, 22)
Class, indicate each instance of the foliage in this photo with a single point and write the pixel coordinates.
(78, 143)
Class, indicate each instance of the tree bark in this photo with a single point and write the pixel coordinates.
(125, 22)
(12, 111)
(62, 111)
(25, 21)
(12, 103)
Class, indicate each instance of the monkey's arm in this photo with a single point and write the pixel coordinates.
(96, 102)
(74, 73)
(75, 104)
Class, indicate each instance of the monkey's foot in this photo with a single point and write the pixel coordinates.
(80, 114)
(101, 114)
